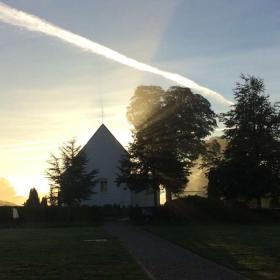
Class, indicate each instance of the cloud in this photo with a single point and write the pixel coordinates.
(7, 192)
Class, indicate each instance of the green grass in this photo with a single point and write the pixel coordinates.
(252, 250)
(62, 253)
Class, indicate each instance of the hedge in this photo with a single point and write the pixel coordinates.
(50, 215)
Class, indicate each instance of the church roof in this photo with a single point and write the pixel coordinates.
(102, 140)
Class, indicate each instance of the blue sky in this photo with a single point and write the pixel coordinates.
(51, 91)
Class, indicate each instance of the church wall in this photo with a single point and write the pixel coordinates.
(104, 153)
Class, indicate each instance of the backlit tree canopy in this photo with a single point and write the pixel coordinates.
(169, 128)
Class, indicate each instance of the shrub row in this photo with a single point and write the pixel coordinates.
(195, 209)
(59, 215)
(191, 209)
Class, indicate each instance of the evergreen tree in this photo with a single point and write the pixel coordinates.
(250, 169)
(33, 199)
(70, 183)
(44, 202)
(54, 175)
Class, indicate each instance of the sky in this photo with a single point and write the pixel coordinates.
(51, 91)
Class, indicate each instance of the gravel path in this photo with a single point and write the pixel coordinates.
(163, 260)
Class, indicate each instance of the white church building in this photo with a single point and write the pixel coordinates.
(104, 153)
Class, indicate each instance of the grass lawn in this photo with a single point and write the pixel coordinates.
(253, 251)
(62, 253)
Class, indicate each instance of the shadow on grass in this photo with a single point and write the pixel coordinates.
(249, 249)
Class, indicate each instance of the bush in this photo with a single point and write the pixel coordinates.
(6, 215)
(196, 209)
(51, 215)
(200, 209)
(57, 216)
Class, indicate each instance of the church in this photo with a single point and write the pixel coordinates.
(104, 153)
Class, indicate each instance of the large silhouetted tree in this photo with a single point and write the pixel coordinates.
(250, 168)
(169, 128)
(70, 183)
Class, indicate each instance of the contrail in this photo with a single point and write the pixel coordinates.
(15, 17)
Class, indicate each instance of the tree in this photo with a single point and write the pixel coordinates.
(210, 160)
(169, 128)
(250, 169)
(213, 155)
(70, 183)
(44, 202)
(33, 199)
(54, 175)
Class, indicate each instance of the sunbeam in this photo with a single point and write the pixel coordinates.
(15, 17)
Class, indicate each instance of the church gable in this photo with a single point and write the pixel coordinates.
(104, 153)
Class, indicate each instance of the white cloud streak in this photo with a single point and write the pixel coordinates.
(15, 17)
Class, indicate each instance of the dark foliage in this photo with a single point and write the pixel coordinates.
(169, 128)
(61, 216)
(70, 183)
(200, 210)
(33, 199)
(212, 156)
(250, 168)
(51, 216)
(44, 201)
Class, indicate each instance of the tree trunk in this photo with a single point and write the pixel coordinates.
(168, 195)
